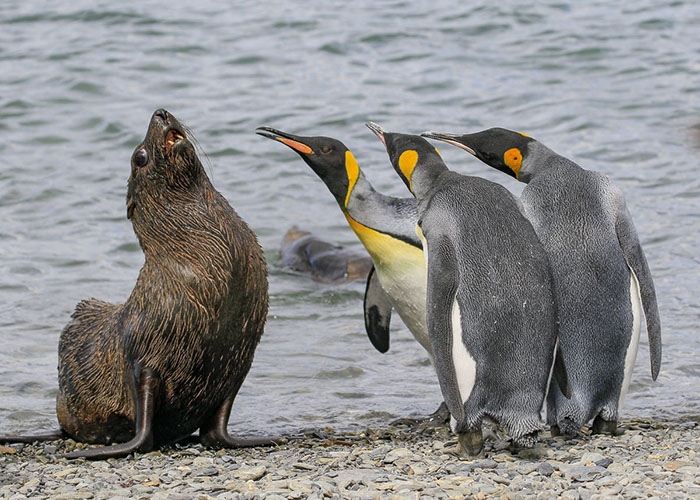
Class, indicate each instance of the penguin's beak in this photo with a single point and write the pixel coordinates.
(378, 131)
(290, 140)
(453, 139)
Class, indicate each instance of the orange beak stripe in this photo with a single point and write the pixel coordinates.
(298, 146)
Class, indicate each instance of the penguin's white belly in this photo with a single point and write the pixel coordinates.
(464, 363)
(631, 355)
(405, 283)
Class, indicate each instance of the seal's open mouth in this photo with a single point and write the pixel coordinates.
(171, 138)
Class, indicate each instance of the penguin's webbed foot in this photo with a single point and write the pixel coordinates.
(526, 440)
(469, 445)
(601, 426)
(439, 418)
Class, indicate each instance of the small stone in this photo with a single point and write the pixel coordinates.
(395, 454)
(590, 458)
(545, 469)
(211, 471)
(570, 495)
(604, 462)
(63, 473)
(677, 464)
(303, 466)
(582, 473)
(7, 450)
(526, 468)
(250, 473)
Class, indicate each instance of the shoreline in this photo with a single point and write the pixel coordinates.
(651, 459)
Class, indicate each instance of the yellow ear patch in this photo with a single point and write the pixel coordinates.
(353, 170)
(525, 135)
(407, 162)
(513, 159)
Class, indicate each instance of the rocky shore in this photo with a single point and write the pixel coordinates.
(650, 460)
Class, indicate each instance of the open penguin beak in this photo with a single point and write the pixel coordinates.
(378, 131)
(290, 140)
(453, 139)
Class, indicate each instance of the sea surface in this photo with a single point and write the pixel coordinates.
(614, 86)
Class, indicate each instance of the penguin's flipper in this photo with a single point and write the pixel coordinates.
(634, 255)
(443, 281)
(377, 307)
(560, 374)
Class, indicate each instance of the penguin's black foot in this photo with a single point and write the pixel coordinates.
(439, 418)
(554, 430)
(526, 440)
(601, 426)
(469, 445)
(34, 438)
(566, 426)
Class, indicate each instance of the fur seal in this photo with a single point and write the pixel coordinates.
(325, 262)
(171, 359)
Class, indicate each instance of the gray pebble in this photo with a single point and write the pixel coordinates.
(545, 469)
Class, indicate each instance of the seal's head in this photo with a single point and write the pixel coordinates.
(164, 167)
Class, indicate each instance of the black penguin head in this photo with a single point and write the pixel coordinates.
(499, 148)
(406, 151)
(329, 158)
(164, 164)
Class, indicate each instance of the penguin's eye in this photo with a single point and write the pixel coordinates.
(140, 158)
(325, 149)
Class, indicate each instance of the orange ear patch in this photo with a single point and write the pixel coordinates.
(513, 159)
(297, 146)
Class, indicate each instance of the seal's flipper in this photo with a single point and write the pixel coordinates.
(560, 374)
(214, 433)
(634, 255)
(377, 307)
(34, 438)
(143, 440)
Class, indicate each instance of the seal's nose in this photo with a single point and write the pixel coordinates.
(161, 113)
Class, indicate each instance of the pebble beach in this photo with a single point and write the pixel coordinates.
(652, 459)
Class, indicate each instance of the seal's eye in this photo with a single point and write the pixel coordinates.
(325, 149)
(140, 158)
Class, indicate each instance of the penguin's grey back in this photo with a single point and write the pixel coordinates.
(505, 291)
(574, 213)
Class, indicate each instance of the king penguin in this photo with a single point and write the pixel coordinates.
(491, 311)
(601, 273)
(386, 227)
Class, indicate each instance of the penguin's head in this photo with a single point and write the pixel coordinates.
(329, 158)
(499, 148)
(405, 152)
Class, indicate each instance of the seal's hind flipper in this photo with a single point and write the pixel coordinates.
(143, 439)
(214, 434)
(377, 307)
(34, 438)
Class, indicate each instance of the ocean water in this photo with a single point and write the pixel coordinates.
(615, 88)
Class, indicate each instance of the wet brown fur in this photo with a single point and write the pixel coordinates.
(194, 317)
